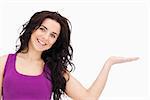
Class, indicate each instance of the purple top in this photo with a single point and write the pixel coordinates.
(17, 86)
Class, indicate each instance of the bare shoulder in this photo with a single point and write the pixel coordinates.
(3, 59)
(2, 62)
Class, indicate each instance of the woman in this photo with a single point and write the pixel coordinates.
(39, 67)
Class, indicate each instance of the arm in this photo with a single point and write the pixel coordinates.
(2, 64)
(75, 90)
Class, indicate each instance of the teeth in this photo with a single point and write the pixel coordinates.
(41, 42)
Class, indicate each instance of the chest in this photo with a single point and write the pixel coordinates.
(24, 85)
(31, 68)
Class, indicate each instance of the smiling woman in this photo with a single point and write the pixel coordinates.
(45, 36)
(40, 65)
(44, 42)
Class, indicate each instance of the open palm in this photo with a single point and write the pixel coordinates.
(117, 60)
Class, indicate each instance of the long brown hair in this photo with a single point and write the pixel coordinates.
(59, 56)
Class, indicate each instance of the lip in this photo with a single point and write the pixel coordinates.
(41, 42)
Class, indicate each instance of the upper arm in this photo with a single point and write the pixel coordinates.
(2, 65)
(76, 90)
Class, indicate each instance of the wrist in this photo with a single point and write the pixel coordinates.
(108, 64)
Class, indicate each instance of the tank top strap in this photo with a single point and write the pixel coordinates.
(9, 63)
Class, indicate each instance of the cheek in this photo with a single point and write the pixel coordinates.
(32, 37)
(34, 34)
(52, 42)
(55, 40)
(37, 33)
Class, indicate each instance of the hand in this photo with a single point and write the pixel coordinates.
(116, 60)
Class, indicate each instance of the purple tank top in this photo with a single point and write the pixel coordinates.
(17, 86)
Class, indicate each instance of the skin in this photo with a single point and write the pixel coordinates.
(42, 39)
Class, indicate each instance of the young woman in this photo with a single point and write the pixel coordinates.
(38, 70)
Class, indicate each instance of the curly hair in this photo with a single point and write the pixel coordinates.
(58, 57)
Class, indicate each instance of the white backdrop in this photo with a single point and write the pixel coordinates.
(100, 29)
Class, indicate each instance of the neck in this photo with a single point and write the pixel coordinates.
(32, 55)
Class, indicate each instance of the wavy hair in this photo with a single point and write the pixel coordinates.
(58, 57)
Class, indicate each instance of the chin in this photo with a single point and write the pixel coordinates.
(41, 49)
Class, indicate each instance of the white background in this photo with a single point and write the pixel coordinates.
(99, 29)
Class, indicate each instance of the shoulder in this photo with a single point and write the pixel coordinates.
(3, 59)
(2, 62)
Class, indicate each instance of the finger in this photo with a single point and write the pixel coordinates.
(132, 59)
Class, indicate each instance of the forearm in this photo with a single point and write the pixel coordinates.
(98, 85)
(76, 91)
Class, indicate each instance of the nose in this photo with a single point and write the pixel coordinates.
(45, 36)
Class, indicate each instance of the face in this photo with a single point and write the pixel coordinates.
(45, 36)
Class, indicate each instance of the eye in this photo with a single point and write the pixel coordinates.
(52, 35)
(42, 29)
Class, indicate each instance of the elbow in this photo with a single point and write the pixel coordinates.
(87, 96)
(91, 96)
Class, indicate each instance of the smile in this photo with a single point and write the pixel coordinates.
(41, 42)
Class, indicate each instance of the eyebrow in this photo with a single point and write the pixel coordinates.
(47, 29)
